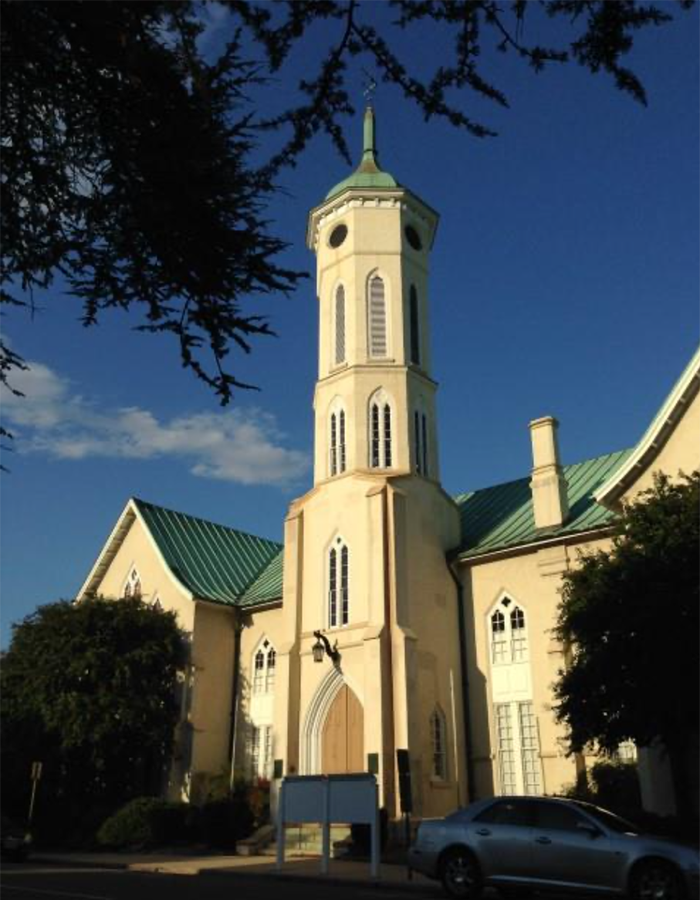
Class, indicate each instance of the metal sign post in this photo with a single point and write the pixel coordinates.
(403, 765)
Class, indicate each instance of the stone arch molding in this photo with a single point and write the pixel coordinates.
(312, 730)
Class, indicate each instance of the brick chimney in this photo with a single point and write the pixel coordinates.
(548, 485)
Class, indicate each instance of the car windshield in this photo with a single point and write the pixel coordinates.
(609, 820)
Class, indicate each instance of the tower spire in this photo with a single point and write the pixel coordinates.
(369, 145)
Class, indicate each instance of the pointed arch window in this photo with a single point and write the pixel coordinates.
(336, 440)
(338, 584)
(414, 325)
(339, 325)
(508, 633)
(377, 318)
(380, 432)
(438, 738)
(132, 588)
(264, 667)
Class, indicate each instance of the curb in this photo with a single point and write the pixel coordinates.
(305, 878)
(163, 868)
(76, 863)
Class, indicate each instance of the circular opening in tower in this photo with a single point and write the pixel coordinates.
(413, 237)
(338, 235)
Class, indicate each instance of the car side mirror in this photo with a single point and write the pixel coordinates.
(591, 830)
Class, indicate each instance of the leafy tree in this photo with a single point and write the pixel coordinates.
(127, 167)
(630, 615)
(89, 689)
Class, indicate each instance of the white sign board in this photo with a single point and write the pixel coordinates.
(326, 799)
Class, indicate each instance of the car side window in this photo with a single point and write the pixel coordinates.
(507, 812)
(557, 817)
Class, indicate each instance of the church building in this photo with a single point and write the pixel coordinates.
(394, 616)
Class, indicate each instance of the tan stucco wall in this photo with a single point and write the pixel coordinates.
(209, 714)
(137, 550)
(426, 642)
(680, 453)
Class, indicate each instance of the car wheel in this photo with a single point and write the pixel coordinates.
(655, 879)
(460, 874)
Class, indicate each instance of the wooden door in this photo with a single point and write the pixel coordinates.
(343, 735)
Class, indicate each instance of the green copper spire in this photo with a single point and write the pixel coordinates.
(368, 174)
(369, 148)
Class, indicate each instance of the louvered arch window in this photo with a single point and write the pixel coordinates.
(339, 325)
(377, 319)
(414, 323)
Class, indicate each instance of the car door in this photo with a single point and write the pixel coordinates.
(569, 849)
(501, 836)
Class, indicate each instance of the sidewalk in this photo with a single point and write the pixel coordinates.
(301, 868)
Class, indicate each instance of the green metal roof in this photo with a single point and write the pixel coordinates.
(368, 174)
(502, 516)
(215, 562)
(267, 586)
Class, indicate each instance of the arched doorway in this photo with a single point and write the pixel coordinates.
(343, 736)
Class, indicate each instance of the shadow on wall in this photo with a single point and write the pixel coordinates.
(478, 729)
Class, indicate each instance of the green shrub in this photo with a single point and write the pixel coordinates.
(612, 784)
(147, 822)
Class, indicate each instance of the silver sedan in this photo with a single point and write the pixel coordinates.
(543, 842)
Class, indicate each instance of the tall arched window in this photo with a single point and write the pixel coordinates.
(380, 432)
(338, 584)
(336, 439)
(132, 587)
(420, 439)
(508, 633)
(414, 325)
(377, 318)
(341, 441)
(340, 325)
(264, 665)
(438, 737)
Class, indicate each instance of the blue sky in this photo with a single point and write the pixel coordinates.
(564, 281)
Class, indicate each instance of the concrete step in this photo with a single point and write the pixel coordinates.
(307, 840)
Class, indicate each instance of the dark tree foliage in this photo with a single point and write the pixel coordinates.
(631, 617)
(127, 152)
(89, 689)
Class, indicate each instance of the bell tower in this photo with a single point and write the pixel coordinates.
(375, 399)
(364, 549)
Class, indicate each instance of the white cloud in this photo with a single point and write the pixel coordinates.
(240, 445)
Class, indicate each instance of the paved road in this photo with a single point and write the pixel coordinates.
(44, 882)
